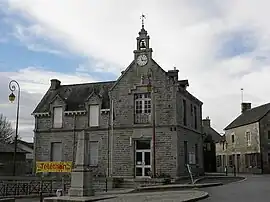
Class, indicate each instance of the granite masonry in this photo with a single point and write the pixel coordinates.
(120, 118)
(245, 144)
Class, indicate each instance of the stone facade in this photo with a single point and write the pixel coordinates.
(247, 146)
(239, 148)
(170, 130)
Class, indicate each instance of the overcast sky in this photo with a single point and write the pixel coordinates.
(219, 46)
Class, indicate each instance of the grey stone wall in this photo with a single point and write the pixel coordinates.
(265, 142)
(170, 132)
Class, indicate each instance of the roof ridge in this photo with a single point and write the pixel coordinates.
(78, 84)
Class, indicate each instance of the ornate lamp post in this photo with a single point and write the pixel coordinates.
(12, 87)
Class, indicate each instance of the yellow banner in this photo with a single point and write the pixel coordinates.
(53, 167)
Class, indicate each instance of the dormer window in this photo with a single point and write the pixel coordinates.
(94, 112)
(57, 117)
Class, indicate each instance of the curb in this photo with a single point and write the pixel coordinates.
(174, 187)
(206, 195)
(224, 177)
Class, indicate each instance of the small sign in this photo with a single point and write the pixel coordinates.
(53, 167)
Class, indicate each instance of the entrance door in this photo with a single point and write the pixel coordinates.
(143, 158)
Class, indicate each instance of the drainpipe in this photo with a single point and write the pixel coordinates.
(74, 139)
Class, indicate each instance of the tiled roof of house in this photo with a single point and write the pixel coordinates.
(250, 116)
(76, 95)
(9, 148)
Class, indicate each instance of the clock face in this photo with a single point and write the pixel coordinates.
(142, 60)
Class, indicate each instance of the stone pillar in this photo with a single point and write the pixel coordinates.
(81, 176)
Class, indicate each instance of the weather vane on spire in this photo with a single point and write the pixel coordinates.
(142, 18)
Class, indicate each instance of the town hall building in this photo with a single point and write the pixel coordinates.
(144, 124)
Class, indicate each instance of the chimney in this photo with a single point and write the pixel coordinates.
(55, 84)
(173, 73)
(206, 122)
(245, 106)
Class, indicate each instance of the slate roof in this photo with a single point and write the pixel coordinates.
(250, 116)
(215, 136)
(76, 95)
(9, 148)
(28, 144)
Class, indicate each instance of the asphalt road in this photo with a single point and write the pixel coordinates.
(255, 189)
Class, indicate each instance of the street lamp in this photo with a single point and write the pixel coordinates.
(12, 87)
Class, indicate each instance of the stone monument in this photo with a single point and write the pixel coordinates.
(81, 176)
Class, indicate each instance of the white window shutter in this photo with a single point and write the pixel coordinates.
(94, 115)
(57, 117)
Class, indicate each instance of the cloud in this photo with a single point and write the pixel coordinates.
(220, 47)
(34, 82)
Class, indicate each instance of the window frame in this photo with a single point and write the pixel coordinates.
(248, 137)
(62, 113)
(146, 97)
(89, 115)
(97, 154)
(61, 151)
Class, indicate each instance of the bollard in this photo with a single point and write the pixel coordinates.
(40, 196)
(226, 170)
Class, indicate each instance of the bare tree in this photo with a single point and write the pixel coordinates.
(6, 131)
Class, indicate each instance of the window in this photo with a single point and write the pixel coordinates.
(143, 107)
(93, 156)
(186, 152)
(248, 136)
(231, 160)
(269, 135)
(185, 112)
(94, 115)
(56, 151)
(196, 154)
(191, 109)
(57, 117)
(232, 138)
(195, 117)
(143, 103)
(219, 161)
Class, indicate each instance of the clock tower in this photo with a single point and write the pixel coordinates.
(143, 54)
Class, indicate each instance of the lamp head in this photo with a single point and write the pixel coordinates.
(11, 97)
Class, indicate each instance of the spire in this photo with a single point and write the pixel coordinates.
(142, 18)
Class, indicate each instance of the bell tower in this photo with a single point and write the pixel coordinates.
(143, 48)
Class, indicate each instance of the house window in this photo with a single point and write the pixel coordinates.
(185, 112)
(57, 117)
(195, 117)
(219, 161)
(196, 154)
(232, 138)
(94, 115)
(143, 103)
(186, 152)
(268, 158)
(56, 151)
(230, 160)
(248, 136)
(93, 156)
(142, 107)
(269, 135)
(191, 109)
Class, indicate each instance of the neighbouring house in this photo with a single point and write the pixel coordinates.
(247, 141)
(146, 120)
(29, 148)
(210, 138)
(6, 160)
